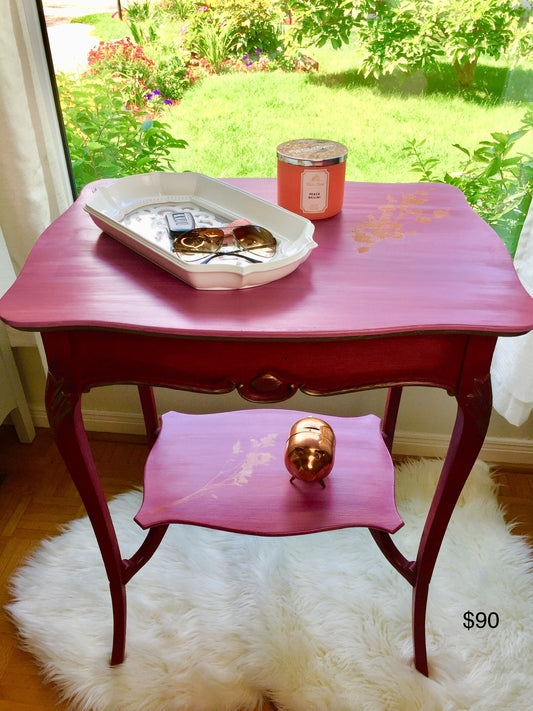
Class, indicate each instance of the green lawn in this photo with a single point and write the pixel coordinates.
(106, 27)
(234, 122)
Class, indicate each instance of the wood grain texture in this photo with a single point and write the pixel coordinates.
(398, 258)
(37, 498)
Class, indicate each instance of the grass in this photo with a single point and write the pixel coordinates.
(106, 27)
(234, 122)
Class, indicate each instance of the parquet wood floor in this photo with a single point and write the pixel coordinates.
(37, 497)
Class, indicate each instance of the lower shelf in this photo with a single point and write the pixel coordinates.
(226, 471)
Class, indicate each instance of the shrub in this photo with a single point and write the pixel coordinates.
(105, 139)
(257, 24)
(140, 10)
(135, 76)
(210, 38)
(496, 180)
(171, 78)
(178, 9)
(411, 34)
(242, 27)
(121, 56)
(131, 72)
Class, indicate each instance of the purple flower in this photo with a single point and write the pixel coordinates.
(157, 93)
(149, 96)
(168, 102)
(258, 51)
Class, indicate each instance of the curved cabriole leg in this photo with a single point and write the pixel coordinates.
(151, 422)
(473, 415)
(64, 413)
(391, 415)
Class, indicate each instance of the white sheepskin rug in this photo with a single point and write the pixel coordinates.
(224, 622)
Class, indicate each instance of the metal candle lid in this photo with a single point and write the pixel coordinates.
(312, 152)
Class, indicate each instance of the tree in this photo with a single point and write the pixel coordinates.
(413, 34)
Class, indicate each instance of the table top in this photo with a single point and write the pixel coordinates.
(399, 258)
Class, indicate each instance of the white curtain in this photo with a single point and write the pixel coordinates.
(512, 364)
(34, 185)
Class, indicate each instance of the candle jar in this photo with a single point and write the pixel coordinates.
(311, 174)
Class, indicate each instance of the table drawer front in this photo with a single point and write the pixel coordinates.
(262, 371)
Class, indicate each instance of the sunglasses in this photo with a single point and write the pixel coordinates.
(237, 240)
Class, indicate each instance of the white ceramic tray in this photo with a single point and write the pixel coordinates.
(132, 210)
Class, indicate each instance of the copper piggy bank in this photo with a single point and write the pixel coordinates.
(310, 450)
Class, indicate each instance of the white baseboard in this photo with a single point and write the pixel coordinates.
(497, 450)
(99, 421)
(21, 339)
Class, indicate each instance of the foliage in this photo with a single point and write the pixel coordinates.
(257, 23)
(141, 35)
(130, 71)
(172, 77)
(105, 139)
(140, 10)
(135, 76)
(411, 34)
(320, 21)
(239, 35)
(496, 180)
(210, 38)
(178, 9)
(121, 56)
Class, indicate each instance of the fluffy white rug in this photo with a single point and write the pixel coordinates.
(219, 621)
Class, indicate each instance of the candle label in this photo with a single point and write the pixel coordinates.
(314, 190)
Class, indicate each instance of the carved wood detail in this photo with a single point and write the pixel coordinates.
(267, 387)
(478, 402)
(58, 400)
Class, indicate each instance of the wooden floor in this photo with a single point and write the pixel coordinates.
(37, 497)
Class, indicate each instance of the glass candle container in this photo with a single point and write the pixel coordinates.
(311, 174)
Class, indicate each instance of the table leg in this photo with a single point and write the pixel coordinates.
(474, 401)
(391, 415)
(64, 413)
(151, 421)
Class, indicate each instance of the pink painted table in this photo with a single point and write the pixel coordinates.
(407, 287)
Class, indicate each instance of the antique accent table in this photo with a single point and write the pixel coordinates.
(408, 286)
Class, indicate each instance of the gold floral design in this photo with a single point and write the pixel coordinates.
(393, 217)
(238, 469)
